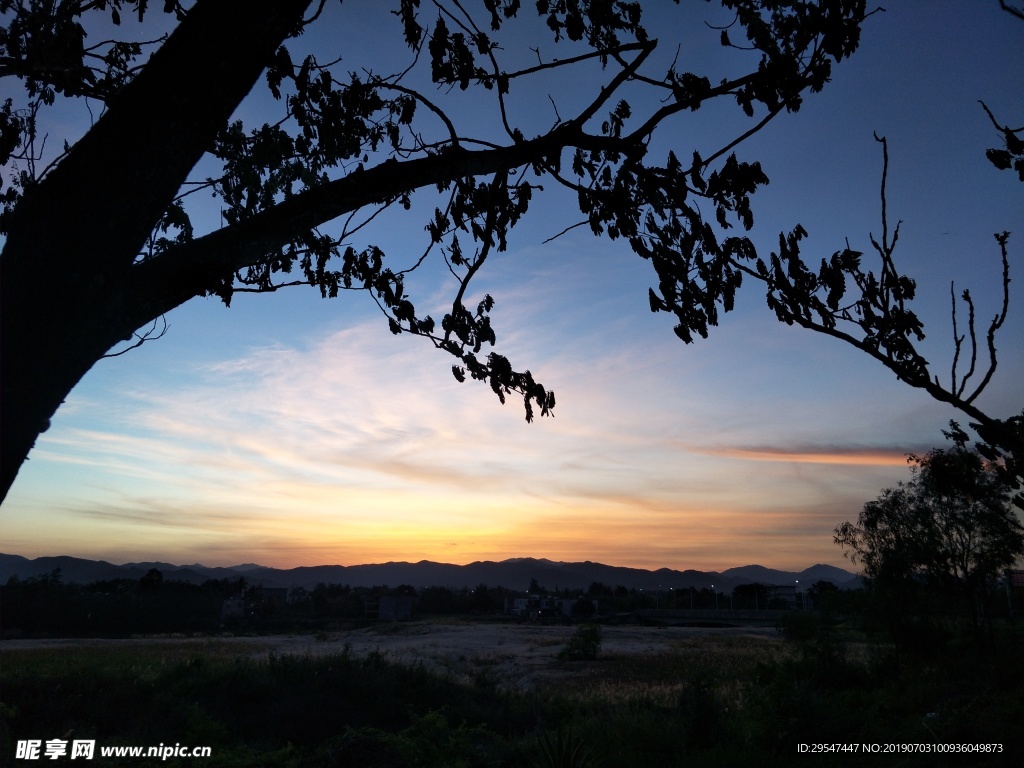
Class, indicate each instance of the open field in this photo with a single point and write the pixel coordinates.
(517, 655)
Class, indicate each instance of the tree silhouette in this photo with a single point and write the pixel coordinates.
(750, 596)
(152, 580)
(951, 524)
(100, 244)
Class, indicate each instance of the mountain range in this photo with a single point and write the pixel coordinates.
(515, 573)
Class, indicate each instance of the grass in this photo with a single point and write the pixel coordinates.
(709, 701)
(661, 678)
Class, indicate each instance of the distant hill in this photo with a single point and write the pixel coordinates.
(515, 573)
(760, 574)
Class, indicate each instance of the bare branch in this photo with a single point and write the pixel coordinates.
(996, 122)
(567, 229)
(957, 342)
(453, 134)
(613, 52)
(606, 92)
(142, 338)
(1018, 12)
(744, 136)
(966, 296)
(998, 320)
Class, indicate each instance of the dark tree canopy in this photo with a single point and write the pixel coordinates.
(100, 243)
(952, 524)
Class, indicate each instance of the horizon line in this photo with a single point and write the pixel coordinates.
(433, 562)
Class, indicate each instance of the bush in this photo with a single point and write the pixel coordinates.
(584, 644)
(799, 626)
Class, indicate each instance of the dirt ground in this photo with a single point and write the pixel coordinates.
(518, 656)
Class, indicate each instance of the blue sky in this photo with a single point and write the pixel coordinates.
(289, 430)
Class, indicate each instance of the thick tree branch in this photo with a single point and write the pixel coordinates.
(194, 268)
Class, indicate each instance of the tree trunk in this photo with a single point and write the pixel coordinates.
(69, 285)
(65, 272)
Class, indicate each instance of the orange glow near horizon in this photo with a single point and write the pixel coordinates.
(852, 456)
(610, 533)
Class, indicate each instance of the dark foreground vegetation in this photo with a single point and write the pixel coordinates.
(710, 702)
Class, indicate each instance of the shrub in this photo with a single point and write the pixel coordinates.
(799, 626)
(584, 644)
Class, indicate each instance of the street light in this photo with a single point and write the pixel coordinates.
(716, 596)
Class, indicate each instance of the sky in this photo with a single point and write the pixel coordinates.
(290, 430)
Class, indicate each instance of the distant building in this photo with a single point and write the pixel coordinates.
(389, 607)
(534, 607)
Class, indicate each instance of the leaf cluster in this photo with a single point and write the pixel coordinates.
(44, 44)
(1011, 154)
(798, 42)
(698, 270)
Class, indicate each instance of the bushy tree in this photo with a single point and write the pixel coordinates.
(750, 596)
(583, 608)
(951, 525)
(583, 645)
(821, 594)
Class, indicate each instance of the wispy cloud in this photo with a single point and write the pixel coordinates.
(358, 447)
(812, 455)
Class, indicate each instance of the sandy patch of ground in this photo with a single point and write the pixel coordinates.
(514, 655)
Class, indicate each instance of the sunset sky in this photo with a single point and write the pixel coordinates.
(289, 430)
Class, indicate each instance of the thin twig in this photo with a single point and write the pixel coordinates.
(142, 338)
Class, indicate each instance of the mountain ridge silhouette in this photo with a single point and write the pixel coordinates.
(512, 573)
